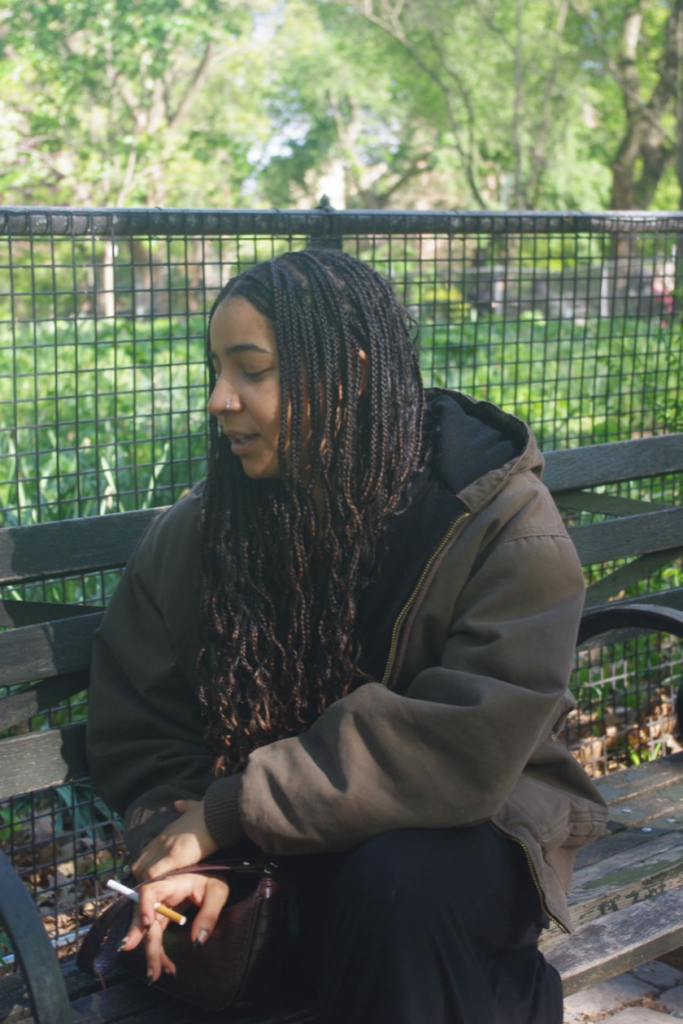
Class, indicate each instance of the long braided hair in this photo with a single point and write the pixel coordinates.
(284, 560)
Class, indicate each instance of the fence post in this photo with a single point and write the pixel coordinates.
(329, 235)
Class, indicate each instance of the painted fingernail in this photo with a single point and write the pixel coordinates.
(201, 938)
(145, 921)
(121, 944)
(150, 977)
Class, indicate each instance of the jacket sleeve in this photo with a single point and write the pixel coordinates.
(448, 750)
(144, 733)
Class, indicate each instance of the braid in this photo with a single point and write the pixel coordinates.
(281, 575)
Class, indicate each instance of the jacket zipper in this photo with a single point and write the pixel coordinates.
(387, 673)
(532, 869)
(416, 589)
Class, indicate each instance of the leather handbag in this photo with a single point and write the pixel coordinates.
(238, 968)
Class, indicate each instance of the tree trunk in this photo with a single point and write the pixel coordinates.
(644, 145)
(623, 190)
(679, 98)
(678, 279)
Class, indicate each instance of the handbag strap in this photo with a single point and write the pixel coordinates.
(101, 944)
(100, 947)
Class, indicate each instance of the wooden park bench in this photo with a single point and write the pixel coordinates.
(627, 897)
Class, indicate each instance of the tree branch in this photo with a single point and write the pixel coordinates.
(631, 97)
(393, 27)
(418, 165)
(195, 84)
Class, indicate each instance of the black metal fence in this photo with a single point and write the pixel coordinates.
(566, 319)
(572, 321)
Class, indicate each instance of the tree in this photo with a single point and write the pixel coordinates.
(636, 48)
(498, 82)
(111, 102)
(434, 103)
(342, 112)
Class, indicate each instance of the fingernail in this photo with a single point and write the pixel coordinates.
(146, 921)
(201, 938)
(150, 977)
(121, 944)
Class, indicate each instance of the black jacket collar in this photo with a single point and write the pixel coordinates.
(468, 441)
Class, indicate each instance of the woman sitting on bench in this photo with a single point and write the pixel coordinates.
(349, 647)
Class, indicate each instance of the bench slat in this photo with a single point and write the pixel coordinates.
(28, 613)
(617, 942)
(50, 649)
(626, 575)
(41, 759)
(630, 536)
(612, 844)
(46, 694)
(647, 778)
(659, 806)
(627, 878)
(606, 504)
(47, 550)
(614, 462)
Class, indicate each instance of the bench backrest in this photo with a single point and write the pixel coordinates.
(649, 532)
(51, 643)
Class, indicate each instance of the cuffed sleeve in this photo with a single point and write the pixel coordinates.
(221, 811)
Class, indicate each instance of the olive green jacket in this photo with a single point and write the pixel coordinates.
(463, 727)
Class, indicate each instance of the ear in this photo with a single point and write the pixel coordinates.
(364, 370)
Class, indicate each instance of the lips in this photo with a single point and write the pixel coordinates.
(241, 444)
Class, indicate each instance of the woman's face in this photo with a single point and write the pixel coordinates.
(244, 355)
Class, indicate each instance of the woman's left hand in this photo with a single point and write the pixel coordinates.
(209, 894)
(183, 843)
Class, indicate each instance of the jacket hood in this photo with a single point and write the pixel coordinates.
(477, 446)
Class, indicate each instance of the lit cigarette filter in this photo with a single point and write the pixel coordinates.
(160, 908)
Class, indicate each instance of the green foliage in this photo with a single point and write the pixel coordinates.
(111, 415)
(108, 116)
(114, 411)
(380, 102)
(566, 379)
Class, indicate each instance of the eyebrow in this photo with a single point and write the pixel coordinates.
(244, 346)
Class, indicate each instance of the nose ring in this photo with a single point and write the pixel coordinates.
(228, 403)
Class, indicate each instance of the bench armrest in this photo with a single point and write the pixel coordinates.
(39, 964)
(655, 618)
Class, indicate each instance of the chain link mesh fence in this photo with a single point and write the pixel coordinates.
(567, 321)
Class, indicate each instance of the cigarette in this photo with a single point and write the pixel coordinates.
(160, 908)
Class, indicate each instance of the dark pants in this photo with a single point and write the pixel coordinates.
(424, 926)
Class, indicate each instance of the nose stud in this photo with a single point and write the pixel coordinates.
(228, 403)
